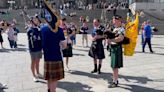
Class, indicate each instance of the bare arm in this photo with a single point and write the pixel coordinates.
(63, 44)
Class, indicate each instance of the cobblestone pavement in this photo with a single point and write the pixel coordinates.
(141, 73)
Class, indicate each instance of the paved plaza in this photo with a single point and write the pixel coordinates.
(141, 73)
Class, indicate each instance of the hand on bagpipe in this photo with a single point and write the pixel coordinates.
(155, 29)
(112, 35)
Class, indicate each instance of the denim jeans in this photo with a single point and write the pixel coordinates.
(147, 40)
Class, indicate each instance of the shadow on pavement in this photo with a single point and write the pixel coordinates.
(78, 54)
(105, 76)
(108, 76)
(155, 53)
(43, 82)
(134, 79)
(5, 50)
(17, 49)
(74, 87)
(159, 80)
(137, 88)
(1, 90)
(20, 49)
(140, 80)
(21, 45)
(159, 47)
(81, 50)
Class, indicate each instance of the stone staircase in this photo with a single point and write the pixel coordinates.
(91, 13)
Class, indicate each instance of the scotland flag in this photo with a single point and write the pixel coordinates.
(50, 16)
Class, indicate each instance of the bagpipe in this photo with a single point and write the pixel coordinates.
(98, 31)
(155, 29)
(112, 35)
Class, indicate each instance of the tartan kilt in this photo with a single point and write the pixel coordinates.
(116, 56)
(68, 51)
(97, 51)
(53, 70)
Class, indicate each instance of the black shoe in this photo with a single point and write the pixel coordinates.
(94, 71)
(151, 51)
(113, 85)
(117, 82)
(99, 72)
(99, 69)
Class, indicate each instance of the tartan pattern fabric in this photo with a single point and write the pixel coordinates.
(53, 70)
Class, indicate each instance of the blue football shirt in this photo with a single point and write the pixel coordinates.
(50, 44)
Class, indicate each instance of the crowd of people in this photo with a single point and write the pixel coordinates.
(57, 45)
(11, 30)
(96, 5)
(38, 39)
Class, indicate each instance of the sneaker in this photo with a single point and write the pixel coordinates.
(113, 85)
(35, 79)
(3, 86)
(99, 72)
(94, 71)
(39, 76)
(67, 69)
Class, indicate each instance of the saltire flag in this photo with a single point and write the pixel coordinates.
(51, 16)
(132, 33)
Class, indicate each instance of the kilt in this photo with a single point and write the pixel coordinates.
(68, 51)
(97, 51)
(53, 70)
(1, 39)
(116, 56)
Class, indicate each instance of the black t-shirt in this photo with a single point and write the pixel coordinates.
(100, 30)
(34, 39)
(84, 29)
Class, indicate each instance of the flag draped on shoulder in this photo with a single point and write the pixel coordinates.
(51, 16)
(132, 33)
